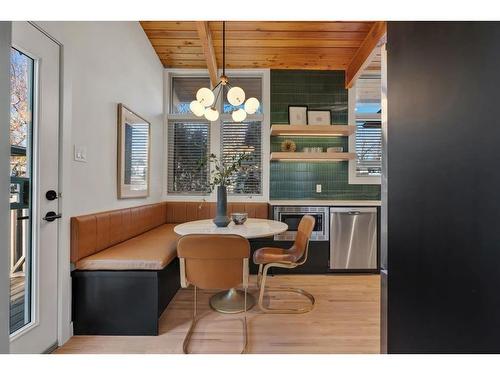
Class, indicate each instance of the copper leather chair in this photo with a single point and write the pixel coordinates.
(295, 256)
(210, 261)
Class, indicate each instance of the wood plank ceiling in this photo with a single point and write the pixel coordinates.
(274, 45)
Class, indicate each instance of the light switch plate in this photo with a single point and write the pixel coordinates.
(80, 154)
(318, 188)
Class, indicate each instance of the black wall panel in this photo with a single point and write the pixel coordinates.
(443, 187)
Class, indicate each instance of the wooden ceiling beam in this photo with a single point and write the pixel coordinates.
(363, 55)
(208, 49)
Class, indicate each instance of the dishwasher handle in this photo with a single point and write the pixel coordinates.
(353, 210)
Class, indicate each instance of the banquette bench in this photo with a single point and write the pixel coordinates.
(126, 269)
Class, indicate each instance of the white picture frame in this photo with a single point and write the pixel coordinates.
(297, 114)
(319, 117)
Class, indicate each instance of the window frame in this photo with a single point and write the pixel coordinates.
(354, 179)
(216, 133)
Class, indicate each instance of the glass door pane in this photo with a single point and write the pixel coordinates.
(21, 130)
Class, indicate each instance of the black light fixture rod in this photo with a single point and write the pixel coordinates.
(224, 48)
(217, 85)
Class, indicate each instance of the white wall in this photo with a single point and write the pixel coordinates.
(5, 40)
(104, 63)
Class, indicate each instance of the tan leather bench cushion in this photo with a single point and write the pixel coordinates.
(152, 250)
(95, 232)
(98, 240)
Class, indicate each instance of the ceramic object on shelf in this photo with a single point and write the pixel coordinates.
(239, 217)
(335, 149)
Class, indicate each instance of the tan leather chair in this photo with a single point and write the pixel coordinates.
(210, 261)
(295, 256)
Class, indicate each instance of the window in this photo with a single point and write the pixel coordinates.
(22, 80)
(252, 87)
(191, 139)
(188, 145)
(244, 137)
(184, 91)
(368, 148)
(367, 141)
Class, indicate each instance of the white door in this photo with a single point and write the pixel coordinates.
(34, 139)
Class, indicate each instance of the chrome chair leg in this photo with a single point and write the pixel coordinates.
(189, 333)
(288, 290)
(245, 334)
(259, 275)
(195, 320)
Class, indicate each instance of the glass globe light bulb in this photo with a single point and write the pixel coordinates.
(197, 108)
(211, 114)
(205, 96)
(251, 105)
(239, 115)
(236, 96)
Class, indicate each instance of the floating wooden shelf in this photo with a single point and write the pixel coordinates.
(312, 156)
(313, 130)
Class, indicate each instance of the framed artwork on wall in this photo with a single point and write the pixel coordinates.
(297, 114)
(134, 139)
(319, 117)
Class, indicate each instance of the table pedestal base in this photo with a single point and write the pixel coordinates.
(231, 301)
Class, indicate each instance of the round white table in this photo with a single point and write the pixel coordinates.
(233, 300)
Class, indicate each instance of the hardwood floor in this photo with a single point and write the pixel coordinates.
(345, 319)
(17, 302)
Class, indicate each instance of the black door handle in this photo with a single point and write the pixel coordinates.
(51, 216)
(51, 195)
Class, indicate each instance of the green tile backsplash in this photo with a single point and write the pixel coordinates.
(318, 89)
(297, 180)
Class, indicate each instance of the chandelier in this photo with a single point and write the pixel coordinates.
(206, 99)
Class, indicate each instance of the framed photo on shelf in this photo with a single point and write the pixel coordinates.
(297, 114)
(319, 117)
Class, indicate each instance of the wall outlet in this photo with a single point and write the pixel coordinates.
(318, 188)
(80, 154)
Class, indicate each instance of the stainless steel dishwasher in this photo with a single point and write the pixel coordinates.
(353, 238)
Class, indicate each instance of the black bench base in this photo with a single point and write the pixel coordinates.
(122, 302)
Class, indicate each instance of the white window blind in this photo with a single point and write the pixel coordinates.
(244, 137)
(188, 146)
(368, 148)
(368, 129)
(136, 155)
